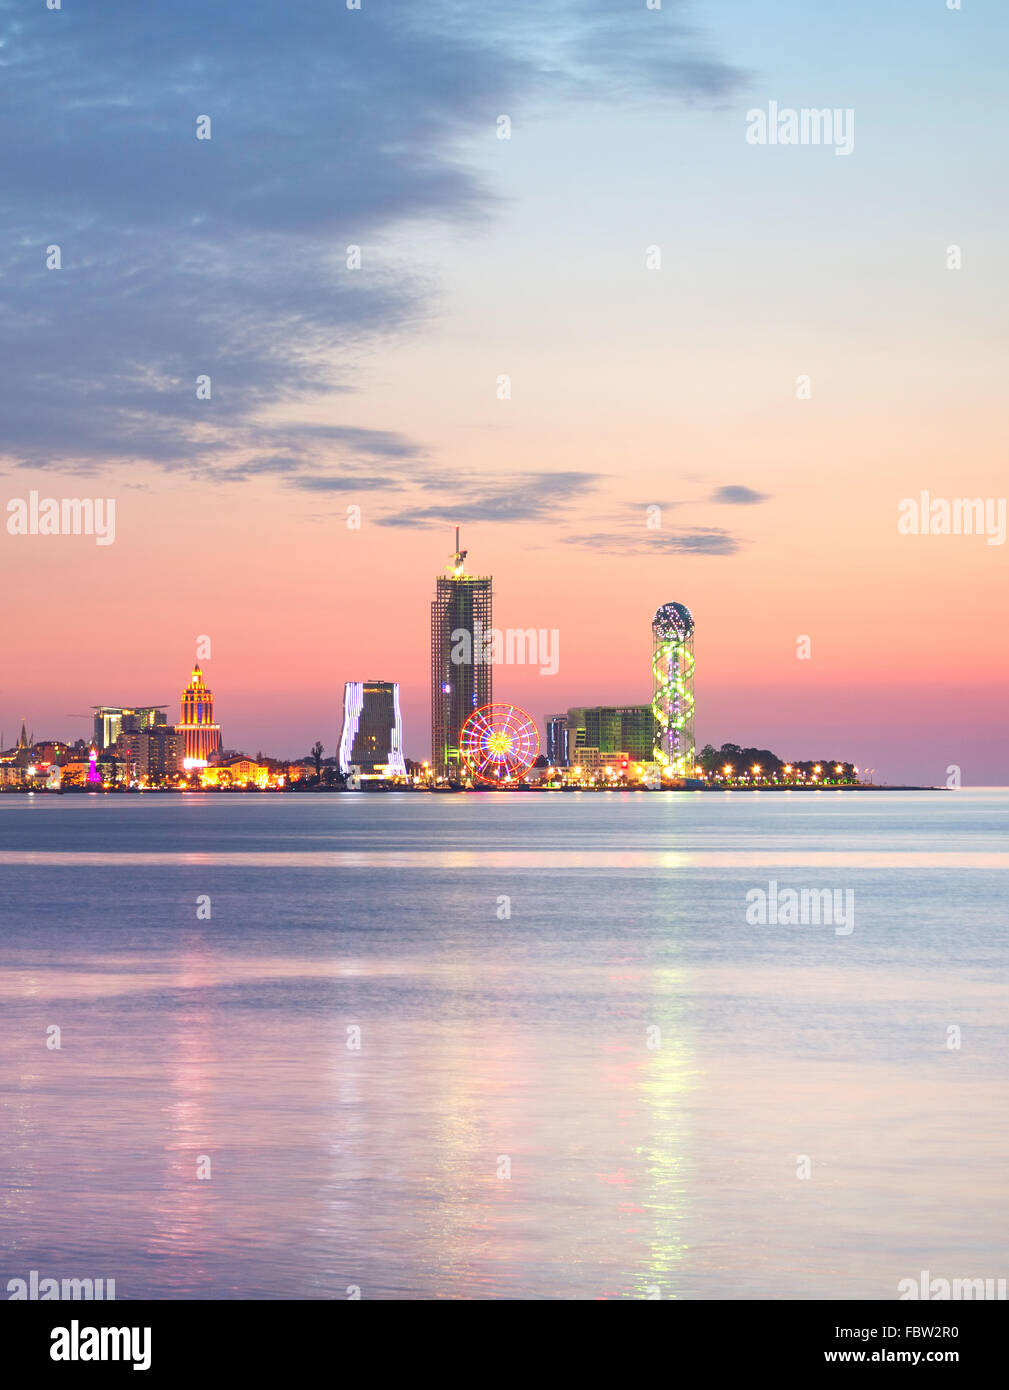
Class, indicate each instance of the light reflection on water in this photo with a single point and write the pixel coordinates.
(635, 1169)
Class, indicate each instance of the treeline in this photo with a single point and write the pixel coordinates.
(744, 759)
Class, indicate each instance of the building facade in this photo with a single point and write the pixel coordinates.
(612, 729)
(595, 760)
(372, 735)
(236, 772)
(199, 736)
(461, 672)
(113, 720)
(152, 755)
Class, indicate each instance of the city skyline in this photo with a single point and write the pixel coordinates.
(591, 344)
(533, 476)
(202, 736)
(465, 647)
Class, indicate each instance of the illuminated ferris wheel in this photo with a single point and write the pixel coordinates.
(499, 743)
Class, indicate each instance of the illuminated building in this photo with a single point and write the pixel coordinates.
(372, 737)
(51, 750)
(134, 749)
(461, 670)
(113, 720)
(595, 760)
(150, 754)
(557, 740)
(164, 753)
(673, 689)
(612, 729)
(199, 736)
(238, 772)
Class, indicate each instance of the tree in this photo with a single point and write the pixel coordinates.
(317, 752)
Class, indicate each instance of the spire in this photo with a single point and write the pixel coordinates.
(23, 740)
(455, 566)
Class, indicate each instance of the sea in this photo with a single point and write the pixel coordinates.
(521, 1046)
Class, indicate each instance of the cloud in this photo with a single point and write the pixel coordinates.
(523, 497)
(344, 483)
(736, 495)
(711, 541)
(227, 257)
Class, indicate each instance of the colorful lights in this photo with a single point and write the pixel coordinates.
(673, 689)
(200, 735)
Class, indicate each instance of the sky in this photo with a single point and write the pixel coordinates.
(727, 363)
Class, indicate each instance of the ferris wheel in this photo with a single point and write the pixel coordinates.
(499, 743)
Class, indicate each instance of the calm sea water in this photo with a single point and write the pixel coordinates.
(610, 1092)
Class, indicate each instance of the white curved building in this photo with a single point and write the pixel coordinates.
(372, 737)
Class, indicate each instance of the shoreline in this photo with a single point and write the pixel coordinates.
(447, 791)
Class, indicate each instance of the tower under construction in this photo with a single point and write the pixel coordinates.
(461, 669)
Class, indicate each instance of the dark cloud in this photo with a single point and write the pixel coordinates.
(710, 541)
(227, 257)
(737, 495)
(345, 483)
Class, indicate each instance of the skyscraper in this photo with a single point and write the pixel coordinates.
(673, 689)
(557, 740)
(199, 735)
(461, 670)
(372, 737)
(113, 720)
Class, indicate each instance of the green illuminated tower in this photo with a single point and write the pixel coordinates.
(673, 689)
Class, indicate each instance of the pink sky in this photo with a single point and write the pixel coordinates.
(907, 672)
(528, 259)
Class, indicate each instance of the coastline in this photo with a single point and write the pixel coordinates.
(447, 791)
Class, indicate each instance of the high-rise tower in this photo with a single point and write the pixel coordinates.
(673, 689)
(461, 669)
(372, 737)
(198, 734)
